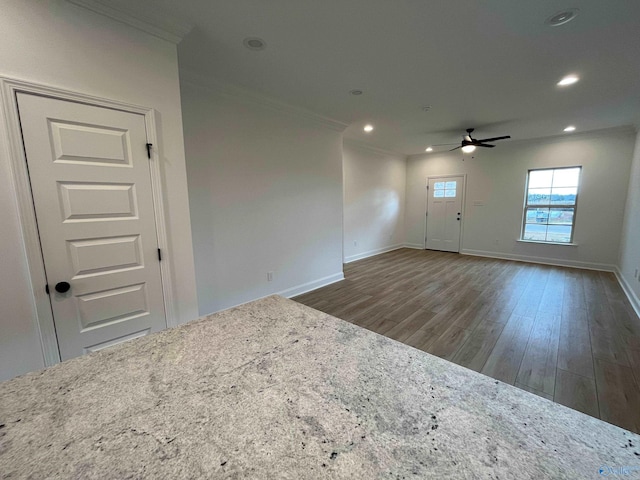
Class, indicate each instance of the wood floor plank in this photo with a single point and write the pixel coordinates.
(381, 326)
(526, 388)
(429, 332)
(609, 348)
(447, 344)
(611, 286)
(601, 317)
(618, 395)
(505, 358)
(407, 327)
(573, 297)
(538, 367)
(474, 352)
(634, 361)
(477, 311)
(574, 349)
(577, 392)
(529, 300)
(553, 294)
(625, 318)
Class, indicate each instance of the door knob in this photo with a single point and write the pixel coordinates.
(62, 287)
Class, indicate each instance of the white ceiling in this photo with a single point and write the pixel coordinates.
(490, 64)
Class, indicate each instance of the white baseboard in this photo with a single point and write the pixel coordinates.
(542, 260)
(631, 295)
(371, 253)
(416, 246)
(290, 292)
(307, 287)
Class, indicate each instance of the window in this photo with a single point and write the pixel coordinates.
(550, 205)
(444, 189)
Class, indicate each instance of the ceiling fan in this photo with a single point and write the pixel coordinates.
(469, 143)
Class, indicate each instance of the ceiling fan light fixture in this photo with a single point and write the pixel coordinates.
(468, 148)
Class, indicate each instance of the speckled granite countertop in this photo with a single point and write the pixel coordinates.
(274, 389)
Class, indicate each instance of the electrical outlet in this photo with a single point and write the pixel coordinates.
(269, 276)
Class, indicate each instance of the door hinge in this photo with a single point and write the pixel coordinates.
(159, 255)
(149, 145)
(46, 289)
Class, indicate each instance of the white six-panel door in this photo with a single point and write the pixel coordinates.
(444, 213)
(91, 186)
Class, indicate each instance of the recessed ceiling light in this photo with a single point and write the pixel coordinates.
(568, 80)
(562, 17)
(429, 149)
(254, 43)
(368, 128)
(570, 128)
(426, 108)
(356, 92)
(468, 148)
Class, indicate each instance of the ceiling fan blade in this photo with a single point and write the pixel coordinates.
(483, 145)
(494, 139)
(455, 148)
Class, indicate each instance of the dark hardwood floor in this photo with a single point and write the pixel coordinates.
(565, 334)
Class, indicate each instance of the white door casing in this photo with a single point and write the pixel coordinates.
(92, 191)
(444, 213)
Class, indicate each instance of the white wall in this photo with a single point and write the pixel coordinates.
(265, 189)
(62, 45)
(629, 266)
(497, 179)
(374, 201)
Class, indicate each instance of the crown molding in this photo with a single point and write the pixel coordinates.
(370, 148)
(151, 22)
(218, 87)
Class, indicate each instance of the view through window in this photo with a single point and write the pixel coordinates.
(444, 189)
(550, 205)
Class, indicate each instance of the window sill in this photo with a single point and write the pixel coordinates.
(547, 243)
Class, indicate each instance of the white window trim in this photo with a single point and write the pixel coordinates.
(574, 206)
(547, 243)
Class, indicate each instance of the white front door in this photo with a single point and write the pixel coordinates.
(91, 186)
(444, 213)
